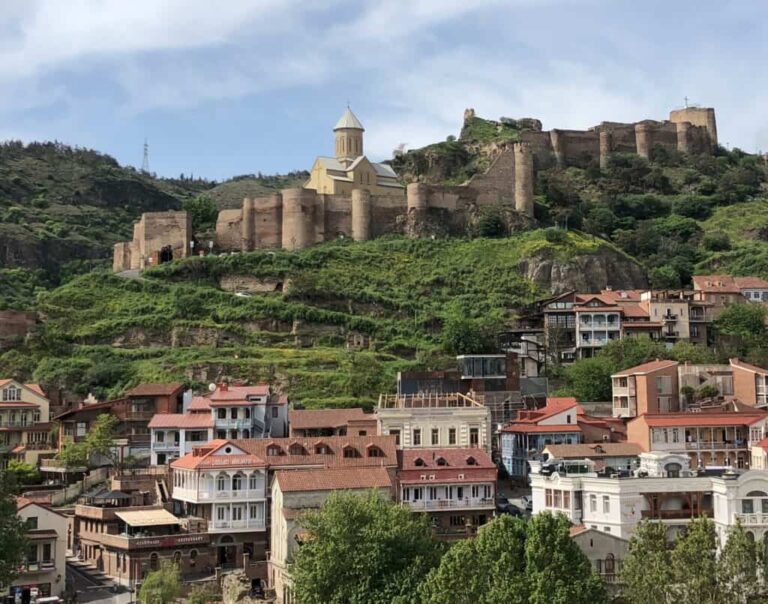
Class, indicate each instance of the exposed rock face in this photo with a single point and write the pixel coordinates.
(584, 273)
(247, 283)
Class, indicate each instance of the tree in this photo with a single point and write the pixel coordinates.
(646, 572)
(737, 566)
(100, 439)
(686, 352)
(362, 549)
(161, 586)
(25, 473)
(745, 322)
(589, 379)
(366, 375)
(200, 594)
(557, 572)
(72, 454)
(694, 564)
(13, 535)
(629, 352)
(485, 570)
(203, 211)
(465, 335)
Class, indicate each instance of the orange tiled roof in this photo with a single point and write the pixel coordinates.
(701, 419)
(543, 429)
(750, 283)
(239, 393)
(199, 403)
(307, 419)
(333, 479)
(646, 368)
(721, 284)
(181, 420)
(155, 389)
(748, 367)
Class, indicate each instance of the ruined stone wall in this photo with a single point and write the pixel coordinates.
(698, 116)
(229, 229)
(497, 184)
(578, 147)
(151, 233)
(14, 326)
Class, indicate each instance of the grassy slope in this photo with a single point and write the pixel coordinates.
(396, 291)
(230, 194)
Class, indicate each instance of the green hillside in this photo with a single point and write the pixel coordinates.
(230, 194)
(418, 301)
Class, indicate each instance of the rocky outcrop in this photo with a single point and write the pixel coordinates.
(589, 272)
(250, 284)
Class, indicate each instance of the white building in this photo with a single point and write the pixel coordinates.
(174, 434)
(227, 486)
(663, 488)
(44, 571)
(248, 412)
(434, 420)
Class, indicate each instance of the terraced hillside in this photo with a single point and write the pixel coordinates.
(413, 302)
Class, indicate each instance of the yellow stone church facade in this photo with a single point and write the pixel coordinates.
(350, 169)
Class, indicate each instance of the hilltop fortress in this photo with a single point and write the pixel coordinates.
(350, 196)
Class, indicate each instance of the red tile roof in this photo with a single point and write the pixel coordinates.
(34, 387)
(536, 429)
(764, 444)
(307, 419)
(333, 479)
(181, 420)
(646, 368)
(748, 367)
(721, 284)
(238, 393)
(302, 453)
(155, 389)
(209, 460)
(456, 468)
(199, 403)
(750, 283)
(701, 419)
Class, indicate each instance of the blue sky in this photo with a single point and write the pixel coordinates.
(227, 87)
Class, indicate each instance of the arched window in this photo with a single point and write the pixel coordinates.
(237, 482)
(221, 482)
(471, 461)
(247, 413)
(610, 564)
(192, 557)
(757, 494)
(350, 452)
(374, 451)
(153, 561)
(246, 434)
(418, 462)
(441, 461)
(673, 470)
(297, 449)
(177, 557)
(253, 481)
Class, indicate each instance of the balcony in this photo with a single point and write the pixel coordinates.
(716, 445)
(42, 566)
(674, 514)
(165, 446)
(139, 415)
(670, 317)
(124, 542)
(450, 504)
(94, 512)
(233, 424)
(752, 519)
(235, 525)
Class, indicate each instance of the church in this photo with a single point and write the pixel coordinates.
(350, 168)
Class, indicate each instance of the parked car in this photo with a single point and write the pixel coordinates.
(527, 502)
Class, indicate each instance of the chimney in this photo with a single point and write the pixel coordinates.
(224, 386)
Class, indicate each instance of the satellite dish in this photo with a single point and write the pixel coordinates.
(212, 387)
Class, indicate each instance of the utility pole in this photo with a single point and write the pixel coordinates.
(686, 101)
(145, 160)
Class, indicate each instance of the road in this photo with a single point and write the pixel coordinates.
(91, 589)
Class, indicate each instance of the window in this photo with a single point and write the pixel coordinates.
(451, 436)
(374, 451)
(322, 449)
(435, 436)
(557, 499)
(221, 434)
(221, 513)
(233, 413)
(253, 482)
(471, 461)
(177, 557)
(567, 500)
(160, 437)
(221, 482)
(548, 498)
(350, 452)
(237, 482)
(417, 437)
(47, 552)
(474, 437)
(153, 562)
(441, 461)
(273, 450)
(247, 413)
(12, 393)
(606, 504)
(747, 507)
(432, 492)
(396, 434)
(32, 553)
(457, 521)
(593, 503)
(36, 417)
(237, 512)
(221, 413)
(607, 529)
(32, 523)
(418, 462)
(275, 412)
(81, 429)
(192, 557)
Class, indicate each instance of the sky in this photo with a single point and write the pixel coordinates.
(228, 87)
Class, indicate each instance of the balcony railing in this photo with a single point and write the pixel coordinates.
(165, 446)
(251, 524)
(450, 504)
(125, 542)
(42, 566)
(709, 445)
(139, 415)
(753, 519)
(229, 495)
(233, 424)
(673, 514)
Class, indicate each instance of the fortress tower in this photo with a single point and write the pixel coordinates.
(523, 179)
(349, 138)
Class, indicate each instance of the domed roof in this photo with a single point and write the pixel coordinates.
(348, 120)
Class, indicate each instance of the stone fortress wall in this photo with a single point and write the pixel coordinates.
(300, 217)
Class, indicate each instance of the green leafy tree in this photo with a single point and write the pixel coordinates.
(72, 454)
(694, 564)
(463, 334)
(201, 594)
(25, 473)
(664, 277)
(362, 550)
(161, 586)
(647, 570)
(686, 352)
(629, 352)
(737, 567)
(745, 323)
(203, 211)
(484, 570)
(557, 571)
(366, 376)
(707, 391)
(100, 439)
(13, 535)
(589, 379)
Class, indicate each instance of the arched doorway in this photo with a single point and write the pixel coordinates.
(166, 254)
(226, 556)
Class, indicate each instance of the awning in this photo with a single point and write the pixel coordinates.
(42, 534)
(147, 518)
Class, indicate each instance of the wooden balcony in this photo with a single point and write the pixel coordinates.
(675, 514)
(124, 542)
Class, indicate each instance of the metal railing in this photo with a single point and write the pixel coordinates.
(448, 504)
